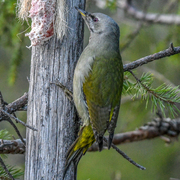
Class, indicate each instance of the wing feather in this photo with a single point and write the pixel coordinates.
(102, 89)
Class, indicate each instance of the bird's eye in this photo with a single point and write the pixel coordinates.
(95, 19)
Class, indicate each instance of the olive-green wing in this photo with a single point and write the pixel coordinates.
(102, 89)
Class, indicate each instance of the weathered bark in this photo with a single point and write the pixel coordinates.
(49, 110)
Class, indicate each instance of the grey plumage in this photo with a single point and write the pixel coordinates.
(97, 85)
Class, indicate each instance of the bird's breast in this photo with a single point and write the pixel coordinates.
(82, 70)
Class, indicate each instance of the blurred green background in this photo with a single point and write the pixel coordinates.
(162, 161)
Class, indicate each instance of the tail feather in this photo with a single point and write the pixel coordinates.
(112, 125)
(99, 140)
(111, 135)
(75, 157)
(79, 147)
(100, 143)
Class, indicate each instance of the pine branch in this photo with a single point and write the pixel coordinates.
(19, 104)
(158, 18)
(158, 75)
(168, 52)
(8, 172)
(157, 128)
(4, 134)
(153, 92)
(161, 97)
(6, 169)
(12, 146)
(148, 17)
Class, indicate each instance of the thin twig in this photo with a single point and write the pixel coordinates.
(168, 52)
(130, 37)
(18, 120)
(125, 156)
(158, 75)
(17, 131)
(148, 17)
(5, 168)
(151, 91)
(19, 104)
(67, 92)
(134, 34)
(2, 102)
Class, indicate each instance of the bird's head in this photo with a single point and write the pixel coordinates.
(99, 23)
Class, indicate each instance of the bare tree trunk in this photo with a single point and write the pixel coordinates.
(49, 110)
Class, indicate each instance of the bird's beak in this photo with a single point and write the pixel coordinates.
(82, 12)
(85, 16)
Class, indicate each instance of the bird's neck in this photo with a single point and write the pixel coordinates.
(104, 42)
